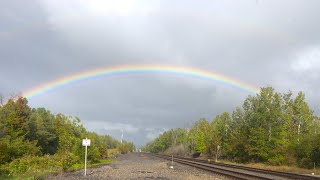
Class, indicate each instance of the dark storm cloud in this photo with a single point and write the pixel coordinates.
(259, 42)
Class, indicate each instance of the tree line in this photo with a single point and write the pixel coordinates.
(270, 127)
(35, 137)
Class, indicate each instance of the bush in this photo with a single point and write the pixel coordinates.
(31, 167)
(178, 150)
(4, 172)
(11, 149)
(306, 163)
(123, 148)
(67, 159)
(94, 155)
(113, 152)
(277, 160)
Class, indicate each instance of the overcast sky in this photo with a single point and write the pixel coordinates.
(260, 42)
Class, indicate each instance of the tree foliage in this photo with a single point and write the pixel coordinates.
(27, 133)
(270, 127)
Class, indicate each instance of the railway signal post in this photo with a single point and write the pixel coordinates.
(85, 143)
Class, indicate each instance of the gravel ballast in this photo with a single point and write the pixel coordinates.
(140, 166)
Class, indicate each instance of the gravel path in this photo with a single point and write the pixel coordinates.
(139, 166)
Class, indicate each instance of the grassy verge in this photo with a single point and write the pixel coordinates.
(292, 169)
(42, 167)
(81, 166)
(284, 168)
(39, 168)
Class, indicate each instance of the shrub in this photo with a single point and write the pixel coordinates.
(277, 160)
(123, 148)
(113, 152)
(94, 155)
(11, 149)
(67, 159)
(178, 150)
(306, 163)
(32, 167)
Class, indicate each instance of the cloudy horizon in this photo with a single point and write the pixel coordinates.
(260, 42)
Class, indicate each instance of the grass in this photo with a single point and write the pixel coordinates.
(41, 167)
(284, 168)
(81, 166)
(111, 153)
(30, 167)
(41, 171)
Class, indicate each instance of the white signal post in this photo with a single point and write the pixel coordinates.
(86, 143)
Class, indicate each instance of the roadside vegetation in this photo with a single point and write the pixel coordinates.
(271, 128)
(35, 142)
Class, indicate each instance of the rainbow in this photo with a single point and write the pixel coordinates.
(129, 69)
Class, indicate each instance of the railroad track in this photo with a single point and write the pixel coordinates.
(235, 171)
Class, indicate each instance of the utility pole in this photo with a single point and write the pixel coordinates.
(218, 148)
(298, 131)
(121, 136)
(269, 132)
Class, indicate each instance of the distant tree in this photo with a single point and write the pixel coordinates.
(221, 132)
(270, 127)
(198, 135)
(1, 100)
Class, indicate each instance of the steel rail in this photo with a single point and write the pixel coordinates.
(277, 173)
(236, 171)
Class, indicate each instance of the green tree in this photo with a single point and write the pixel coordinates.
(14, 116)
(42, 129)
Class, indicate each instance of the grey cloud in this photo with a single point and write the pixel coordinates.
(259, 42)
